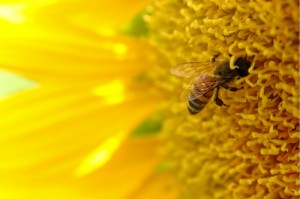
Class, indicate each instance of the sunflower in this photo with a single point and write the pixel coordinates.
(81, 124)
(78, 117)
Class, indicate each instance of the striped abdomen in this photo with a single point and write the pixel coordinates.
(200, 94)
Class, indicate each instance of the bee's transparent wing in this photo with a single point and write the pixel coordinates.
(186, 93)
(190, 70)
(206, 87)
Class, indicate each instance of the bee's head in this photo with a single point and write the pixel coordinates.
(243, 66)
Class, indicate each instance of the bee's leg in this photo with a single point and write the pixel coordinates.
(233, 89)
(217, 100)
(213, 59)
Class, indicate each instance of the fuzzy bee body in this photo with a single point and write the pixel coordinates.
(197, 102)
(207, 78)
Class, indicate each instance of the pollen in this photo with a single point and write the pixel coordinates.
(251, 148)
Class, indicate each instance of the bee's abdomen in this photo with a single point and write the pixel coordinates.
(195, 105)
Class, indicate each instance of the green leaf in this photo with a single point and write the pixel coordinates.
(164, 166)
(137, 27)
(151, 125)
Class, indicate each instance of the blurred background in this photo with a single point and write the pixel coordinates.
(80, 116)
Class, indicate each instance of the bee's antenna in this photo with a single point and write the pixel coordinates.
(245, 57)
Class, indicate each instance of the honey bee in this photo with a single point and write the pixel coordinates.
(207, 78)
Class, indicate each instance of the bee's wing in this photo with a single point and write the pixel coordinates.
(190, 70)
(210, 85)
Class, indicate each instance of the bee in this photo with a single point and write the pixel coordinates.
(207, 78)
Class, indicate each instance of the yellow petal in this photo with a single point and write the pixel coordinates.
(40, 118)
(49, 45)
(101, 155)
(158, 185)
(68, 137)
(61, 61)
(125, 172)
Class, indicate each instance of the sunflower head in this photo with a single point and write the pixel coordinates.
(249, 149)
